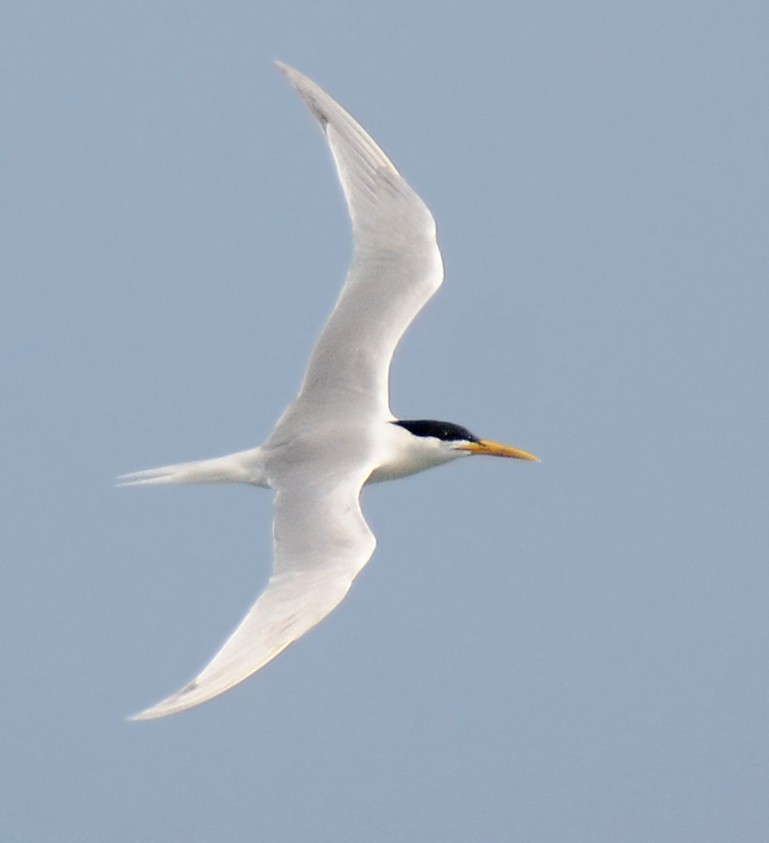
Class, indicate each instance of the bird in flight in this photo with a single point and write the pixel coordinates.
(338, 434)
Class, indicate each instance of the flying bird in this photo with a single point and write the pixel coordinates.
(338, 435)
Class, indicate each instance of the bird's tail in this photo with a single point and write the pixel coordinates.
(242, 467)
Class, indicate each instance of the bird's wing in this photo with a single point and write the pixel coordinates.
(396, 265)
(321, 542)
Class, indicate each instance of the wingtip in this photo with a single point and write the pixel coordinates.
(132, 717)
(162, 709)
(179, 701)
(291, 73)
(147, 714)
(309, 91)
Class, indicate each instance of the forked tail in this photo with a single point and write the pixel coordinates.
(242, 467)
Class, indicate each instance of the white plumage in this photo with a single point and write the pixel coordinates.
(339, 433)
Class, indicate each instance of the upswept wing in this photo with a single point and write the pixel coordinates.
(321, 542)
(396, 265)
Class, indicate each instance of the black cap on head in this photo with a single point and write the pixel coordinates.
(445, 431)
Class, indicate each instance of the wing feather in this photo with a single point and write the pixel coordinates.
(321, 542)
(396, 265)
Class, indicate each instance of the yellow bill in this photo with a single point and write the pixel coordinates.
(495, 449)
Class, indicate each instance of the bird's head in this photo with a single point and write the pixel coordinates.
(454, 437)
(434, 442)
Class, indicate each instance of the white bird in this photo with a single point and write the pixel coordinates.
(338, 434)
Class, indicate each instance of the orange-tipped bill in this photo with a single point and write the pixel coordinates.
(494, 449)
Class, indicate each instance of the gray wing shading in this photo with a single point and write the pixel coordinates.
(321, 542)
(396, 265)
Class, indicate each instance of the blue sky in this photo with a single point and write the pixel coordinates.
(575, 650)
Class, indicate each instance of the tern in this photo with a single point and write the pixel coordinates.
(338, 434)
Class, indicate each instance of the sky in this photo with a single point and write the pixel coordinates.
(569, 651)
